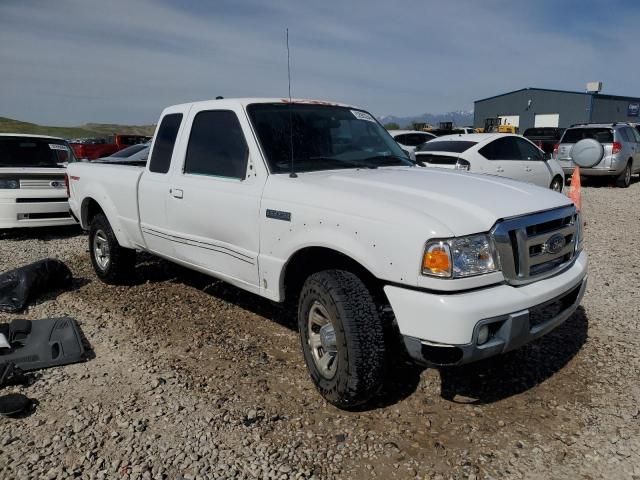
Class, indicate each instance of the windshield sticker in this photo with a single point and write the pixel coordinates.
(57, 146)
(363, 116)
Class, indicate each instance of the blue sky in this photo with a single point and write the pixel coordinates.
(121, 61)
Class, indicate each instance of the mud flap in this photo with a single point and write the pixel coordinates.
(42, 343)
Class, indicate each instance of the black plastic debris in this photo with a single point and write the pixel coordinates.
(14, 404)
(20, 286)
(37, 344)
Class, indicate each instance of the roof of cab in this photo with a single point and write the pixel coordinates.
(248, 101)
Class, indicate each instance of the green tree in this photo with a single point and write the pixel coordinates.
(392, 126)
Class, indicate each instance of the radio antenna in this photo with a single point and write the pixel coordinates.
(292, 174)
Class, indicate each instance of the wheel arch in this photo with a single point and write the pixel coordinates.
(312, 259)
(91, 207)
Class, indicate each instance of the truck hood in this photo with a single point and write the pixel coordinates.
(462, 202)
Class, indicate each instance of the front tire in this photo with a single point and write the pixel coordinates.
(624, 179)
(342, 338)
(112, 263)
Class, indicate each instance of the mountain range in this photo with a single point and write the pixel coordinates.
(461, 118)
(9, 125)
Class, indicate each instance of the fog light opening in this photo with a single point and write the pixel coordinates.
(483, 334)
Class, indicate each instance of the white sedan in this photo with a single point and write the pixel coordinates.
(502, 154)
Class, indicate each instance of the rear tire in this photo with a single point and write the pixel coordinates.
(624, 179)
(342, 338)
(112, 263)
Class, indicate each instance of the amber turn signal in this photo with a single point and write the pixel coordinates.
(437, 260)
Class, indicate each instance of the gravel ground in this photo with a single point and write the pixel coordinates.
(193, 378)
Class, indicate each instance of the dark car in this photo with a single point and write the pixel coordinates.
(546, 138)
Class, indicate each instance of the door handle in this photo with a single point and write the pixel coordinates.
(176, 192)
(499, 169)
(528, 169)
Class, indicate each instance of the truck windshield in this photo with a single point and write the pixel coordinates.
(322, 137)
(34, 152)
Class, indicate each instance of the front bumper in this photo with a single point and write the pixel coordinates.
(443, 328)
(29, 209)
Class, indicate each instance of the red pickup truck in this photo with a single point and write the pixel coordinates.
(93, 148)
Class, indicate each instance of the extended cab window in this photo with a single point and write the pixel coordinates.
(165, 140)
(217, 146)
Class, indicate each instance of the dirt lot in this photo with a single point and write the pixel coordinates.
(193, 378)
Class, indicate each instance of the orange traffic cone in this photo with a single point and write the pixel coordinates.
(574, 190)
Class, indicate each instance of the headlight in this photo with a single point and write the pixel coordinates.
(459, 257)
(9, 183)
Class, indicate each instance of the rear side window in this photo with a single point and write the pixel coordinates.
(217, 146)
(455, 146)
(504, 148)
(574, 135)
(164, 143)
(624, 135)
(527, 150)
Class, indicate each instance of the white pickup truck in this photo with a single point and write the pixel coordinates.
(314, 203)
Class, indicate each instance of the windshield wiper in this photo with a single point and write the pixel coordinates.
(355, 163)
(398, 159)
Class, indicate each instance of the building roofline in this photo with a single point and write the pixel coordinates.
(595, 95)
(532, 88)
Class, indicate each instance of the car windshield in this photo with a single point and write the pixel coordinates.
(322, 137)
(574, 135)
(457, 146)
(34, 152)
(127, 152)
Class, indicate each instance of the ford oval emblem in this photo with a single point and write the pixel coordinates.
(555, 243)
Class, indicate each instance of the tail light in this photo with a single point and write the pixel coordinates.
(556, 147)
(463, 165)
(617, 148)
(66, 184)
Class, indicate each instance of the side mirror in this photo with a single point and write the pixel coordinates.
(546, 156)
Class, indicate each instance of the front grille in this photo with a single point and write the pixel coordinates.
(37, 183)
(536, 246)
(43, 216)
(42, 200)
(549, 310)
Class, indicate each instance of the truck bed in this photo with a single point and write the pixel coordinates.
(117, 187)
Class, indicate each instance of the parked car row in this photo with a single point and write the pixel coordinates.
(92, 149)
(544, 156)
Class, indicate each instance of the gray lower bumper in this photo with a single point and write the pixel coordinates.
(507, 332)
(594, 172)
